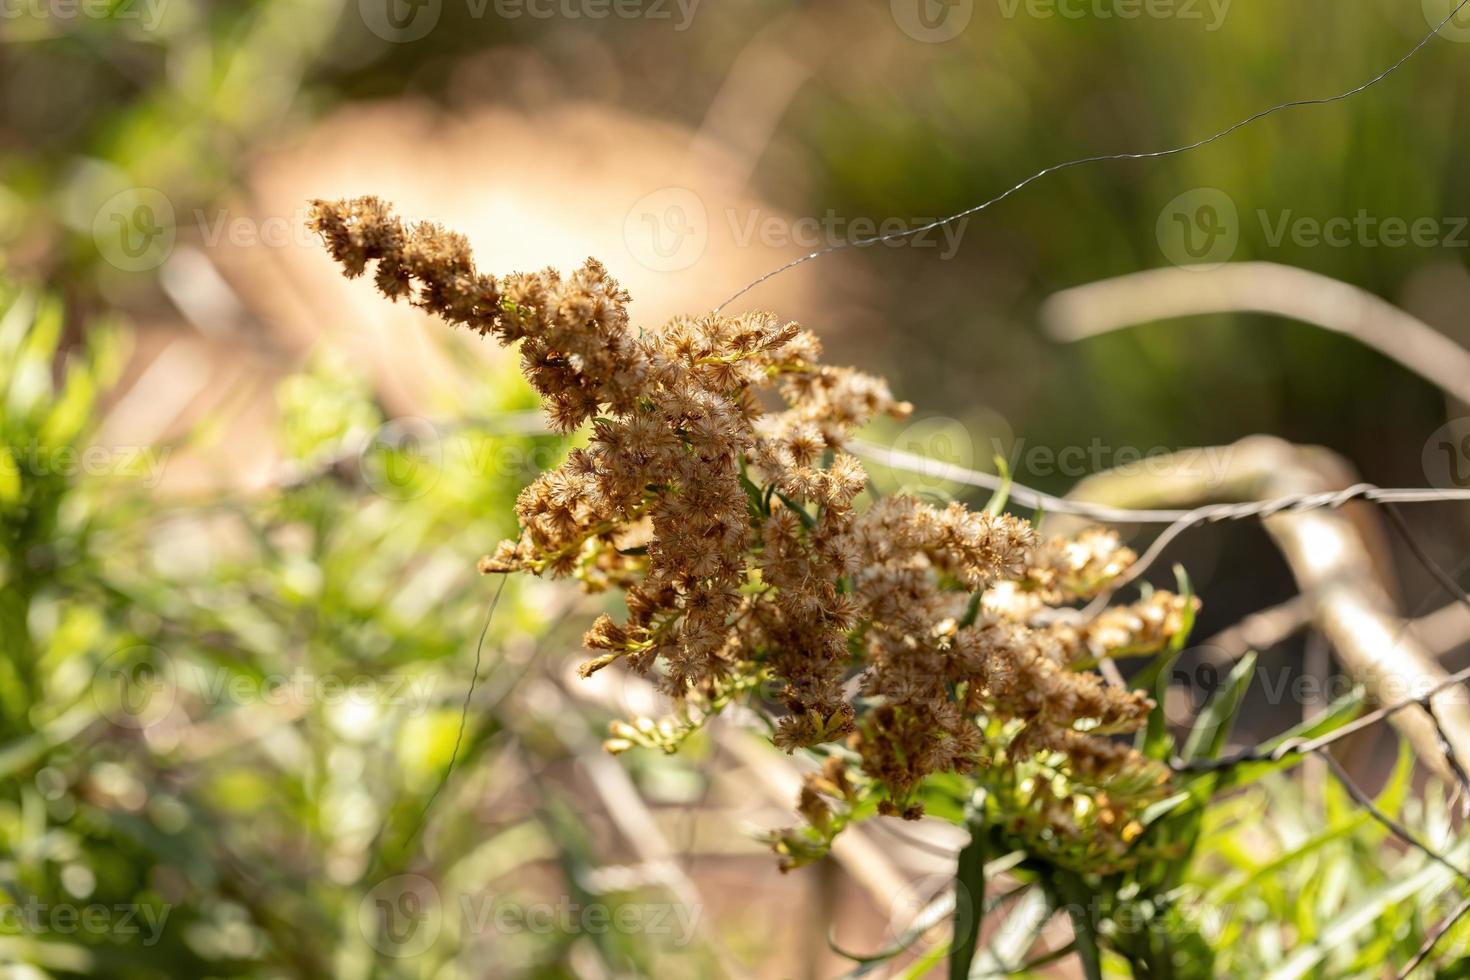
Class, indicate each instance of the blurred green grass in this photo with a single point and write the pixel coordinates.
(347, 582)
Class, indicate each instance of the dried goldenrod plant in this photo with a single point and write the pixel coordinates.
(901, 639)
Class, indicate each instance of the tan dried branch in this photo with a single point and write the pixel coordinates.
(1331, 563)
(1260, 287)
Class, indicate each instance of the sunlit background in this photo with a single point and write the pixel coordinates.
(237, 631)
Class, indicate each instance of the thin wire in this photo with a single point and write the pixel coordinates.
(939, 470)
(463, 715)
(1433, 938)
(1445, 579)
(1408, 837)
(1101, 158)
(1299, 746)
(1179, 521)
(1218, 512)
(1446, 582)
(1451, 756)
(1398, 829)
(533, 421)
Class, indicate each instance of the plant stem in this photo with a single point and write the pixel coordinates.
(1075, 898)
(969, 880)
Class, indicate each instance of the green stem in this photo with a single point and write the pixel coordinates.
(1076, 898)
(969, 880)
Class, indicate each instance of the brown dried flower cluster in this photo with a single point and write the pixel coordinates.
(717, 495)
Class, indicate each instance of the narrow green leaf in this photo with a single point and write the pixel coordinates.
(1163, 807)
(1077, 900)
(754, 493)
(1391, 798)
(997, 501)
(969, 880)
(1429, 880)
(1154, 739)
(1227, 894)
(24, 752)
(925, 963)
(1185, 588)
(1342, 711)
(972, 610)
(803, 516)
(1212, 727)
(927, 918)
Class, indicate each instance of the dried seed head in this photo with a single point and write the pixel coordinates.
(759, 567)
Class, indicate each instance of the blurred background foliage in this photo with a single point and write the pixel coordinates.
(225, 719)
(264, 827)
(185, 96)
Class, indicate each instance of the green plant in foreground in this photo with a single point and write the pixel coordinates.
(223, 720)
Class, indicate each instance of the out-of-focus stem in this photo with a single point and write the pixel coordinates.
(1261, 287)
(862, 858)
